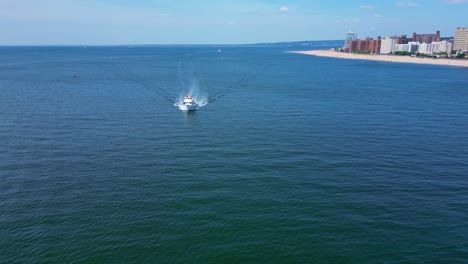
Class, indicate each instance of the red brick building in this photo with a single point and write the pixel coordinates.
(402, 40)
(368, 44)
(426, 38)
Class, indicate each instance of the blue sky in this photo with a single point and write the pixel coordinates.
(102, 22)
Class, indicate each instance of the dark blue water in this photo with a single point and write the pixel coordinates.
(296, 159)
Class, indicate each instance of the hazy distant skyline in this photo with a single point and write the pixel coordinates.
(103, 22)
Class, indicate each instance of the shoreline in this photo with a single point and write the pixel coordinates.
(385, 58)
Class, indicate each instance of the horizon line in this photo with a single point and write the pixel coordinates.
(174, 44)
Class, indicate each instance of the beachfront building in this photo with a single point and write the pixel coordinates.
(444, 46)
(436, 47)
(388, 45)
(425, 48)
(366, 45)
(413, 46)
(426, 38)
(418, 43)
(461, 39)
(350, 36)
(377, 45)
(401, 47)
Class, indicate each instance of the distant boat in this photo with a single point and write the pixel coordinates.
(189, 103)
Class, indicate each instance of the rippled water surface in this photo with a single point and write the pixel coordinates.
(295, 159)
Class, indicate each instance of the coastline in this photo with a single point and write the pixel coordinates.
(385, 58)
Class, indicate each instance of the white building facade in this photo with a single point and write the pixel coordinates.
(413, 47)
(435, 47)
(425, 48)
(443, 46)
(387, 45)
(401, 47)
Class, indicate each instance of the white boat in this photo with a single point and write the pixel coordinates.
(189, 103)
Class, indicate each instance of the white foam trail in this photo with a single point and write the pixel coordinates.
(180, 74)
(188, 79)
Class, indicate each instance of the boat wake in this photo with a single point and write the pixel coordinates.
(194, 82)
(194, 99)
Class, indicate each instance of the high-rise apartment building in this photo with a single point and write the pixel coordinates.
(401, 47)
(426, 38)
(350, 36)
(461, 39)
(388, 45)
(435, 47)
(413, 46)
(403, 40)
(368, 45)
(377, 45)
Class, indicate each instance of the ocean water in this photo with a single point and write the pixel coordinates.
(294, 158)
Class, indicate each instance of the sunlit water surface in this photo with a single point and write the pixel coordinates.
(291, 159)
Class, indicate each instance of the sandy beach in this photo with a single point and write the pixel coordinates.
(387, 58)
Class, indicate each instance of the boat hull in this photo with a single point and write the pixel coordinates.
(188, 107)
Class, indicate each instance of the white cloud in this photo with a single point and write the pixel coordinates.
(452, 2)
(368, 7)
(284, 9)
(378, 15)
(372, 28)
(407, 4)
